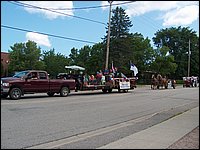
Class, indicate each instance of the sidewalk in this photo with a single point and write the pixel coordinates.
(160, 136)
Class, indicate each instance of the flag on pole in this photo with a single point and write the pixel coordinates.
(123, 76)
(134, 68)
(113, 69)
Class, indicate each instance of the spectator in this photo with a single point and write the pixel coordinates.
(34, 75)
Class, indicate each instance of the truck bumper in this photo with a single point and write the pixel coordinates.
(4, 90)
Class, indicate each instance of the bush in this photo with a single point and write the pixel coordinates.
(179, 81)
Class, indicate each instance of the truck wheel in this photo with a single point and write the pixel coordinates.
(64, 91)
(15, 93)
(50, 94)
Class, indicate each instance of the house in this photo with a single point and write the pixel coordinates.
(5, 62)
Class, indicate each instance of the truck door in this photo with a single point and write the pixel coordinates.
(31, 84)
(43, 85)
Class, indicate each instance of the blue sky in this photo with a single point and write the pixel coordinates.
(147, 18)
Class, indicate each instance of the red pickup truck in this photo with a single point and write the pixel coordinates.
(34, 81)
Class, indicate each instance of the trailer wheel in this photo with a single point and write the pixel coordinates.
(119, 90)
(64, 91)
(125, 91)
(110, 90)
(15, 93)
(104, 90)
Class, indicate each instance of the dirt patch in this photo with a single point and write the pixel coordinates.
(189, 141)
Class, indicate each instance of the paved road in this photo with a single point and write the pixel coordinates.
(88, 120)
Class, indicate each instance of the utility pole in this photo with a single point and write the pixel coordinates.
(189, 53)
(108, 37)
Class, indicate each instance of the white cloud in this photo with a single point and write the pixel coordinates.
(182, 16)
(40, 39)
(173, 12)
(50, 5)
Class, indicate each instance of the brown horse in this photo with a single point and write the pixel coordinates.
(162, 81)
(154, 82)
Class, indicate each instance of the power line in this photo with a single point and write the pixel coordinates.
(32, 6)
(57, 36)
(91, 7)
(76, 8)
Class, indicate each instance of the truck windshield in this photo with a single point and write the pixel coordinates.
(20, 74)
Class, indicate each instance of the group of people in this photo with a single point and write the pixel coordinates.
(99, 78)
(190, 81)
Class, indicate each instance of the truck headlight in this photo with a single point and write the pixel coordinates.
(5, 84)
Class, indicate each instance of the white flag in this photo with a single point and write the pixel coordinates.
(134, 68)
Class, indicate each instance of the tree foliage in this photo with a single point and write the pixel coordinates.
(24, 56)
(164, 62)
(120, 23)
(88, 57)
(177, 40)
(127, 47)
(55, 63)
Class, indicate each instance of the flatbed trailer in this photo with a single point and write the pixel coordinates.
(120, 84)
(110, 83)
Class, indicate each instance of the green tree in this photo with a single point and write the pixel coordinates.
(125, 46)
(95, 62)
(55, 63)
(84, 56)
(164, 62)
(142, 53)
(120, 23)
(73, 56)
(25, 56)
(119, 38)
(177, 40)
(89, 57)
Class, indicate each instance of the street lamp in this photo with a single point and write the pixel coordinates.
(108, 38)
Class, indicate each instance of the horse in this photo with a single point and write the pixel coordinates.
(154, 82)
(162, 81)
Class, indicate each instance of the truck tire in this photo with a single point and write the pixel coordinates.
(64, 91)
(50, 94)
(15, 93)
